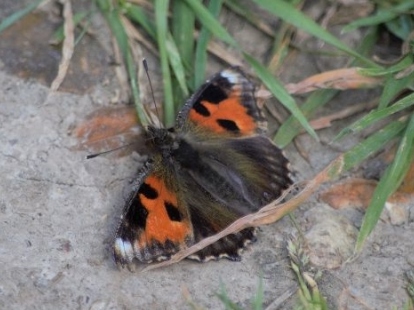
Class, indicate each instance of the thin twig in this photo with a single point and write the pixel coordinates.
(68, 45)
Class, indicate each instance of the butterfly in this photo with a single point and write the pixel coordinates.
(213, 167)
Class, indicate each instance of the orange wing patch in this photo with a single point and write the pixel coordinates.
(227, 116)
(164, 221)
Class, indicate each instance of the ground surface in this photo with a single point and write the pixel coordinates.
(58, 211)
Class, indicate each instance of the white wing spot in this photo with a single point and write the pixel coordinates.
(230, 75)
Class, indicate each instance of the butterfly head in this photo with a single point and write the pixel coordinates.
(160, 139)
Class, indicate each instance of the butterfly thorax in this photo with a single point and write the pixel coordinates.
(161, 140)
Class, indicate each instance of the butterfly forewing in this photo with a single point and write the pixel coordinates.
(223, 106)
(156, 224)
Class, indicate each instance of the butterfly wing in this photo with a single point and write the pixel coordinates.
(227, 164)
(156, 222)
(224, 106)
(226, 180)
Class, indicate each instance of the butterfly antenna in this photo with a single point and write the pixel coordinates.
(145, 64)
(106, 152)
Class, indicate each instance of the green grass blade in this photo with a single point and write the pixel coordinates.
(382, 16)
(200, 61)
(377, 115)
(161, 19)
(211, 23)
(176, 64)
(257, 302)
(138, 15)
(280, 47)
(277, 89)
(113, 18)
(372, 144)
(367, 44)
(409, 277)
(401, 26)
(388, 184)
(227, 302)
(402, 64)
(291, 127)
(11, 19)
(393, 87)
(183, 27)
(291, 15)
(253, 17)
(175, 60)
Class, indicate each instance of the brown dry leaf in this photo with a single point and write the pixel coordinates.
(353, 193)
(108, 129)
(349, 78)
(407, 185)
(357, 193)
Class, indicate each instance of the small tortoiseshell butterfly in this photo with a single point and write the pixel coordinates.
(215, 166)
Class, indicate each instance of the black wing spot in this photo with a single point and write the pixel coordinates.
(213, 94)
(229, 125)
(201, 109)
(148, 191)
(173, 212)
(137, 214)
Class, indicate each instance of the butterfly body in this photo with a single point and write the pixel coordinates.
(215, 166)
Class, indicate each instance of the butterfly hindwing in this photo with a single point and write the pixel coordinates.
(227, 180)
